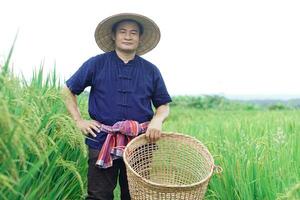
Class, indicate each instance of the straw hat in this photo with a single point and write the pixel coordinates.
(150, 38)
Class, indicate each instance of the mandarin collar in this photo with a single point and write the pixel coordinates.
(119, 60)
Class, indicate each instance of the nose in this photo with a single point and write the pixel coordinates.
(127, 36)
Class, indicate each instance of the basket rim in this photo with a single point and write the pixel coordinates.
(169, 185)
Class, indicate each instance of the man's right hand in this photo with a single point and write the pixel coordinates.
(88, 127)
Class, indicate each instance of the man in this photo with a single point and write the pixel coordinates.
(123, 86)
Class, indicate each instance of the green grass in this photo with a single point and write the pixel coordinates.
(258, 150)
(43, 155)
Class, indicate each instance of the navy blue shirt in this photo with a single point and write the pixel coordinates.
(119, 91)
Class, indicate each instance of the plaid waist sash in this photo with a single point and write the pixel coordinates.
(119, 135)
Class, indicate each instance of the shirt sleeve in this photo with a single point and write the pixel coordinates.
(82, 78)
(160, 94)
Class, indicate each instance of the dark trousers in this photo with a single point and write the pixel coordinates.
(102, 182)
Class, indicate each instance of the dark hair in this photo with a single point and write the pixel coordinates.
(115, 25)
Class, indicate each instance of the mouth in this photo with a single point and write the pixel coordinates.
(127, 43)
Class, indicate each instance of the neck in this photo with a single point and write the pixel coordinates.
(125, 56)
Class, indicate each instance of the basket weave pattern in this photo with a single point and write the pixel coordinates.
(176, 167)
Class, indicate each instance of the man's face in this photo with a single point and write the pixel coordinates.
(127, 37)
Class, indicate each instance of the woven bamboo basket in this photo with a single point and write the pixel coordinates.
(176, 167)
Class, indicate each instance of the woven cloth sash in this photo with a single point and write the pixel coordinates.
(119, 135)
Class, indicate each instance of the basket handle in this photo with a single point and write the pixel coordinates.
(218, 169)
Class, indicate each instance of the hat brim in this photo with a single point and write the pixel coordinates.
(150, 38)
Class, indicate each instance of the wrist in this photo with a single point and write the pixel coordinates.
(157, 119)
(77, 120)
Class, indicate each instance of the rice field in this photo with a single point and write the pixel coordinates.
(258, 150)
(43, 155)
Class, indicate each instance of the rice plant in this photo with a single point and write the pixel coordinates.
(42, 154)
(258, 150)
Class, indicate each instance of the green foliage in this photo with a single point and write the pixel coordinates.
(210, 102)
(277, 107)
(221, 103)
(258, 150)
(42, 154)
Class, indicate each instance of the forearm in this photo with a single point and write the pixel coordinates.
(161, 113)
(86, 126)
(71, 104)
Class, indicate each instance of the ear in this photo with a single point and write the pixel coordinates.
(113, 37)
(141, 38)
